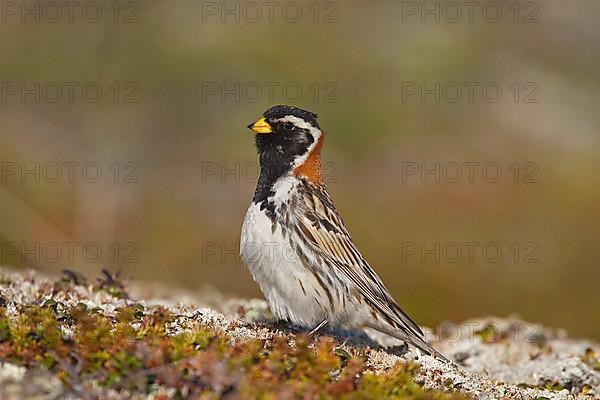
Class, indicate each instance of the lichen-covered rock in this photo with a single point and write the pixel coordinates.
(68, 338)
(571, 373)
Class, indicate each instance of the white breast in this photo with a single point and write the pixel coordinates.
(292, 291)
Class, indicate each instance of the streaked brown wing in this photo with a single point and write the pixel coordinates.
(323, 228)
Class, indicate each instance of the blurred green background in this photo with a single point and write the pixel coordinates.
(179, 167)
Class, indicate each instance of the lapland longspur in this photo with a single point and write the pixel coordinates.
(298, 249)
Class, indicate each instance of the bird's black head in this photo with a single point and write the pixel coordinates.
(285, 138)
(276, 113)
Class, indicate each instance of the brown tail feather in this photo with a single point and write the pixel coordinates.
(412, 339)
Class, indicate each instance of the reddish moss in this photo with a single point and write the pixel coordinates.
(133, 350)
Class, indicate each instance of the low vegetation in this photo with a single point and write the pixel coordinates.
(135, 348)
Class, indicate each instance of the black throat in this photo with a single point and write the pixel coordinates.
(277, 152)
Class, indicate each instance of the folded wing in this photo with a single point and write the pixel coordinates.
(324, 230)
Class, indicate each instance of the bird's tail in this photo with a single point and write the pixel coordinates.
(411, 338)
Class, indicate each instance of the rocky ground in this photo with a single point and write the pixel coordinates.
(70, 338)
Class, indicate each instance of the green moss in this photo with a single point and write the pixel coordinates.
(398, 384)
(489, 333)
(133, 350)
(5, 334)
(553, 386)
(590, 358)
(112, 284)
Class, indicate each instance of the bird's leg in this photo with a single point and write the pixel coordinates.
(318, 327)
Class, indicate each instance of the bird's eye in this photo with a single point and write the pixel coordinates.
(289, 126)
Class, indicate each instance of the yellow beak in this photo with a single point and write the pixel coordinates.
(261, 126)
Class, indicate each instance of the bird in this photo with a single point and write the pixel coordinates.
(296, 246)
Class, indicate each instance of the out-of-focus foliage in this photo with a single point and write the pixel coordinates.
(179, 224)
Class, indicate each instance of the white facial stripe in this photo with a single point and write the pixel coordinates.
(302, 124)
(299, 122)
